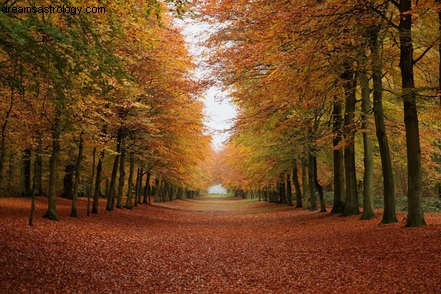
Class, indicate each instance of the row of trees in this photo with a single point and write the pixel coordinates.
(107, 100)
(322, 88)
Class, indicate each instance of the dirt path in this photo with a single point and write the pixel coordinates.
(214, 245)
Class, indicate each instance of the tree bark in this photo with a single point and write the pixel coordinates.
(129, 203)
(97, 191)
(38, 166)
(137, 187)
(368, 160)
(312, 184)
(122, 173)
(288, 189)
(389, 214)
(351, 201)
(147, 189)
(74, 212)
(27, 166)
(415, 215)
(68, 180)
(92, 177)
(338, 204)
(52, 208)
(111, 191)
(306, 192)
(318, 186)
(295, 178)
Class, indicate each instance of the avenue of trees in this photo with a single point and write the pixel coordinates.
(334, 95)
(99, 105)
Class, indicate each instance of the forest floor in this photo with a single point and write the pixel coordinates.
(213, 245)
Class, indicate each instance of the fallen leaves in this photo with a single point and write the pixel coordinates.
(216, 246)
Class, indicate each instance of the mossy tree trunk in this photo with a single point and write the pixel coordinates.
(415, 216)
(349, 85)
(389, 214)
(368, 191)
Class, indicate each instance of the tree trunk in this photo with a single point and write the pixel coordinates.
(351, 201)
(368, 191)
(122, 173)
(111, 191)
(52, 208)
(306, 192)
(338, 204)
(295, 178)
(157, 188)
(73, 212)
(38, 166)
(389, 215)
(92, 177)
(312, 185)
(282, 190)
(97, 191)
(288, 189)
(137, 187)
(147, 189)
(129, 203)
(415, 215)
(68, 180)
(27, 166)
(318, 186)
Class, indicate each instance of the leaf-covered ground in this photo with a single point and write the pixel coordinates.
(213, 245)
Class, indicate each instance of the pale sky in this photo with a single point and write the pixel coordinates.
(219, 112)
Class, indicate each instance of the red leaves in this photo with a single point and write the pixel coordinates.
(201, 246)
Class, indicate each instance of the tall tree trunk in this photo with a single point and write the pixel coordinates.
(318, 186)
(295, 178)
(312, 184)
(351, 201)
(34, 188)
(415, 215)
(68, 180)
(122, 173)
(52, 208)
(389, 214)
(137, 187)
(157, 188)
(111, 191)
(282, 190)
(147, 189)
(368, 191)
(73, 212)
(337, 120)
(97, 192)
(129, 203)
(92, 177)
(27, 166)
(306, 192)
(288, 189)
(38, 166)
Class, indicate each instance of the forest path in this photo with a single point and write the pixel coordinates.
(213, 245)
